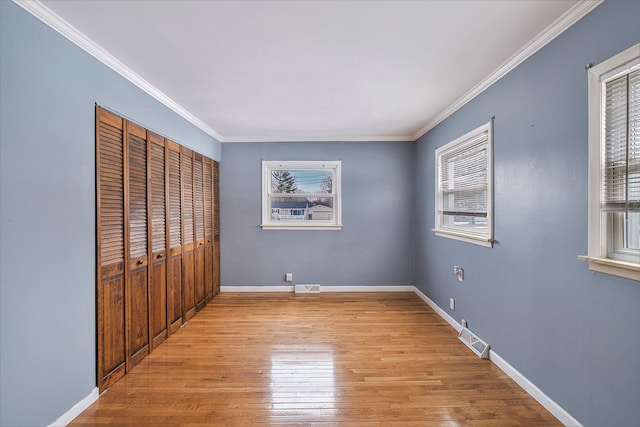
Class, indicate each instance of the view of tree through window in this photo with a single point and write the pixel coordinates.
(301, 195)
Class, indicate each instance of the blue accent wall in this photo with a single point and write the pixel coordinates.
(572, 332)
(48, 88)
(375, 246)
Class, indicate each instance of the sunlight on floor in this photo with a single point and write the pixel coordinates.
(302, 381)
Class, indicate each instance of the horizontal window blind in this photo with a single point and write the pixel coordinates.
(621, 189)
(464, 178)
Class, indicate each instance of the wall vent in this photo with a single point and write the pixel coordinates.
(307, 289)
(474, 342)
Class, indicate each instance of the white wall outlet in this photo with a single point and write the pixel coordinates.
(458, 271)
(452, 304)
(463, 323)
(288, 277)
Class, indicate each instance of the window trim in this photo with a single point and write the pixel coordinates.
(487, 238)
(598, 237)
(334, 165)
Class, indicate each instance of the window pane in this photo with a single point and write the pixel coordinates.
(468, 224)
(302, 208)
(632, 231)
(292, 181)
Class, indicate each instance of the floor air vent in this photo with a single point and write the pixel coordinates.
(472, 341)
(307, 289)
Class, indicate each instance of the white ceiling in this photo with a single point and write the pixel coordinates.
(315, 70)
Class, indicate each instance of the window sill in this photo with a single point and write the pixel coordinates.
(614, 267)
(301, 227)
(469, 238)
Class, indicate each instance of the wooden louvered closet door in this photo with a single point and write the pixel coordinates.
(155, 248)
(157, 218)
(137, 292)
(110, 232)
(208, 228)
(188, 235)
(198, 210)
(216, 227)
(174, 236)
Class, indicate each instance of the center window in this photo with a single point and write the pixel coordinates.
(301, 195)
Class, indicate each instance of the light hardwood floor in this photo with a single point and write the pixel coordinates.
(341, 359)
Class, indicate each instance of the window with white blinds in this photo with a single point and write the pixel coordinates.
(464, 188)
(614, 165)
(622, 143)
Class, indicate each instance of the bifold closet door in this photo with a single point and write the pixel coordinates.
(137, 242)
(216, 227)
(110, 245)
(188, 235)
(157, 218)
(198, 210)
(208, 228)
(174, 236)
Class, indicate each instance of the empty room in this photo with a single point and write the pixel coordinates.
(345, 213)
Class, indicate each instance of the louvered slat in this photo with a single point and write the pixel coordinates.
(137, 197)
(216, 200)
(198, 196)
(158, 211)
(175, 209)
(111, 215)
(187, 197)
(208, 198)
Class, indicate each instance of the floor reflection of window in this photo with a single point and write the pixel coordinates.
(302, 381)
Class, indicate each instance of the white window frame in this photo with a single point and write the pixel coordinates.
(335, 167)
(602, 255)
(459, 232)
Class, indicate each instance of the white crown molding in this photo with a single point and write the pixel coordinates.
(409, 138)
(556, 28)
(46, 15)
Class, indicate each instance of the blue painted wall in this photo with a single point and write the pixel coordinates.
(375, 247)
(48, 88)
(569, 330)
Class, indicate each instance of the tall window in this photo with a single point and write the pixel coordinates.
(464, 207)
(614, 165)
(301, 195)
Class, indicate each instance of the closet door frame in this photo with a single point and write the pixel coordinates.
(157, 259)
(134, 265)
(113, 273)
(175, 310)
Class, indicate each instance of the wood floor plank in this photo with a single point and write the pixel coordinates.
(333, 359)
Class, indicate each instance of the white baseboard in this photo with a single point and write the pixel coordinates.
(450, 320)
(556, 410)
(77, 409)
(366, 288)
(256, 288)
(323, 288)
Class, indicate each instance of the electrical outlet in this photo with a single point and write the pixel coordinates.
(452, 304)
(463, 323)
(458, 271)
(288, 277)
